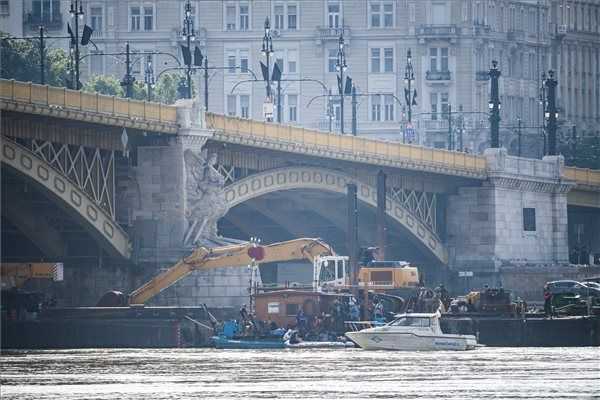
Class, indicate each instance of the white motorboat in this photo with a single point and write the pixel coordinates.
(413, 332)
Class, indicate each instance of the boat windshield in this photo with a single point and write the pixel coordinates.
(411, 321)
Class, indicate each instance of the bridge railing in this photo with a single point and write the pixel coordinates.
(82, 101)
(344, 143)
(583, 176)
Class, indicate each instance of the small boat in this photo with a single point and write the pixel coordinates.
(412, 332)
(223, 342)
(319, 345)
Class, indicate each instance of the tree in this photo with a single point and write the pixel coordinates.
(169, 88)
(582, 151)
(104, 84)
(21, 61)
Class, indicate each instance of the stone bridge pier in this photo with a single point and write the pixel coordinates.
(175, 202)
(515, 221)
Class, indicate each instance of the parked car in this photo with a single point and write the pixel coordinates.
(593, 285)
(572, 287)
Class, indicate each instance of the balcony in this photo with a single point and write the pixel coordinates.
(327, 33)
(437, 32)
(514, 35)
(482, 76)
(438, 76)
(50, 22)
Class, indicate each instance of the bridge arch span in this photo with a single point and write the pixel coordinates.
(328, 180)
(97, 221)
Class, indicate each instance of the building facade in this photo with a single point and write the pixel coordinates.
(452, 42)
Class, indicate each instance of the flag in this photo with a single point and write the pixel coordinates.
(87, 34)
(265, 71)
(276, 73)
(197, 57)
(348, 87)
(414, 102)
(73, 41)
(187, 55)
(407, 96)
(339, 84)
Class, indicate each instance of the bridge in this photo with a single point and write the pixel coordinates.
(145, 181)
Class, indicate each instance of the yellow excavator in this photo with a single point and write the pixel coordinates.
(14, 275)
(330, 271)
(237, 255)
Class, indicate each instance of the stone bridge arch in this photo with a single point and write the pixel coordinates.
(328, 180)
(98, 222)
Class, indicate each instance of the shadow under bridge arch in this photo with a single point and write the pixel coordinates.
(97, 221)
(328, 180)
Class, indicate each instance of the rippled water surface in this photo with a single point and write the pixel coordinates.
(501, 373)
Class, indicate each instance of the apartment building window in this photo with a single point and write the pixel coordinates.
(331, 60)
(292, 61)
(230, 17)
(236, 61)
(44, 10)
(388, 106)
(438, 59)
(388, 59)
(135, 13)
(148, 18)
(412, 12)
(231, 62)
(376, 107)
(278, 16)
(244, 61)
(245, 105)
(381, 14)
(439, 103)
(292, 100)
(375, 60)
(529, 219)
(96, 19)
(434, 106)
(231, 105)
(444, 102)
(244, 17)
(333, 14)
(4, 8)
(292, 16)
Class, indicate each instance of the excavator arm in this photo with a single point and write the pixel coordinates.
(231, 256)
(16, 274)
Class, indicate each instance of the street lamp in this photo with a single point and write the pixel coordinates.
(76, 12)
(128, 80)
(495, 105)
(551, 113)
(341, 66)
(189, 35)
(410, 95)
(267, 50)
(149, 76)
(543, 104)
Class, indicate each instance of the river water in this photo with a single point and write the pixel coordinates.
(500, 373)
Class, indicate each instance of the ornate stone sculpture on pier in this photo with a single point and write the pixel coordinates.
(205, 198)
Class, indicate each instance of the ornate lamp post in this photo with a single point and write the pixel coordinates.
(495, 105)
(76, 12)
(149, 76)
(543, 104)
(551, 113)
(410, 95)
(188, 34)
(341, 66)
(267, 50)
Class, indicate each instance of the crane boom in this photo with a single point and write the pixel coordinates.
(16, 274)
(238, 255)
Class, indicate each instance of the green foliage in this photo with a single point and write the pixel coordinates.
(104, 85)
(165, 90)
(583, 153)
(20, 60)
